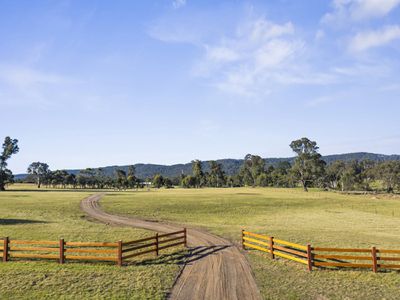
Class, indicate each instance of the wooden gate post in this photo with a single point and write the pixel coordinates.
(62, 257)
(185, 237)
(374, 260)
(244, 248)
(157, 246)
(309, 257)
(271, 246)
(119, 258)
(5, 249)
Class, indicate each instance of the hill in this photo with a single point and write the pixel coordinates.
(230, 166)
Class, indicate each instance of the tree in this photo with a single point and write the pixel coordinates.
(217, 175)
(132, 180)
(308, 165)
(158, 181)
(121, 178)
(389, 173)
(253, 166)
(10, 147)
(198, 172)
(40, 171)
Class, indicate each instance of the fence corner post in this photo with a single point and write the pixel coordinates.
(157, 246)
(374, 260)
(243, 246)
(185, 237)
(309, 257)
(271, 246)
(119, 258)
(5, 249)
(62, 250)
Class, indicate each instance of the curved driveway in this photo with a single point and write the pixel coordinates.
(215, 270)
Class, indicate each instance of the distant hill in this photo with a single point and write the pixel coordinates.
(230, 166)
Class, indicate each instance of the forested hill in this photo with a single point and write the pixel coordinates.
(230, 166)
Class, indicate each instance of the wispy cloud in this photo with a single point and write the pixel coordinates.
(374, 38)
(358, 10)
(178, 3)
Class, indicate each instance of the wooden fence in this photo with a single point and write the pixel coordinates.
(117, 252)
(373, 258)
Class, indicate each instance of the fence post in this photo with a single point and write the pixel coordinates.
(62, 257)
(157, 246)
(5, 249)
(374, 260)
(309, 257)
(271, 246)
(243, 246)
(119, 258)
(185, 237)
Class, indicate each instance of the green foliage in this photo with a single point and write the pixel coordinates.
(10, 147)
(40, 172)
(158, 181)
(308, 166)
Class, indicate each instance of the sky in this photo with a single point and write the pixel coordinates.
(97, 83)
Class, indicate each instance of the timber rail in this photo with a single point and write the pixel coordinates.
(61, 250)
(370, 258)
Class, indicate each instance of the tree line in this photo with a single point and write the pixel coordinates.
(307, 170)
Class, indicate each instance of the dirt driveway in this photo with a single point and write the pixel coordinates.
(215, 270)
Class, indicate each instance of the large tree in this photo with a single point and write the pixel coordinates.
(40, 171)
(308, 166)
(10, 147)
(217, 175)
(253, 166)
(198, 173)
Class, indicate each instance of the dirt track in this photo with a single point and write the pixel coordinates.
(215, 270)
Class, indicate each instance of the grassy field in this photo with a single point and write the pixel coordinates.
(320, 218)
(56, 214)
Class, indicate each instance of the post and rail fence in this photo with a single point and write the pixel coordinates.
(373, 258)
(61, 251)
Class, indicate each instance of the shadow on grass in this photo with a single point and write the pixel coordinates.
(19, 221)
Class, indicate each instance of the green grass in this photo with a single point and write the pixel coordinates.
(320, 218)
(50, 215)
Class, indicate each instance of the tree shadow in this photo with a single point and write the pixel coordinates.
(19, 221)
(182, 257)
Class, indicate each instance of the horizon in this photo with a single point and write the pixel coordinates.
(94, 83)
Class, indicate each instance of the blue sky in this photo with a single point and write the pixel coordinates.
(96, 83)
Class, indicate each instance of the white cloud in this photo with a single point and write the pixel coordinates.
(374, 38)
(178, 3)
(245, 63)
(25, 77)
(319, 101)
(358, 10)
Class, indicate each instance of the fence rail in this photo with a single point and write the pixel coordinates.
(323, 256)
(89, 251)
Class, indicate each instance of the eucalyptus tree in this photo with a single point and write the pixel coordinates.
(253, 166)
(40, 172)
(308, 166)
(198, 173)
(217, 175)
(10, 147)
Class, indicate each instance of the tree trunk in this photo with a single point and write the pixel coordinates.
(304, 183)
(2, 188)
